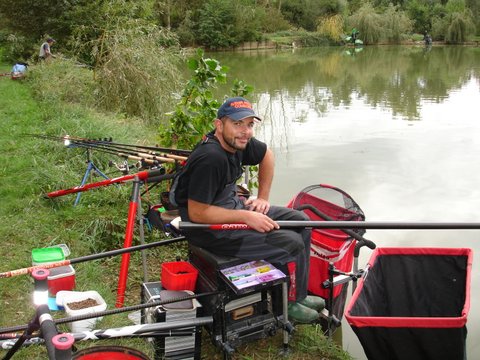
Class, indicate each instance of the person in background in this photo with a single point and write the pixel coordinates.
(45, 51)
(206, 192)
(427, 38)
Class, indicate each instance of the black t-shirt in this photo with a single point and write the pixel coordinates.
(210, 170)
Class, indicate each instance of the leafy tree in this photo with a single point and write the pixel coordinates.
(455, 25)
(135, 72)
(460, 27)
(216, 27)
(474, 6)
(33, 18)
(301, 13)
(331, 7)
(395, 23)
(369, 23)
(271, 20)
(420, 12)
(332, 27)
(194, 113)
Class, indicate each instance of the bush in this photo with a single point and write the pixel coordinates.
(439, 28)
(17, 48)
(136, 73)
(308, 39)
(271, 20)
(216, 25)
(62, 80)
(193, 114)
(369, 23)
(460, 27)
(395, 23)
(332, 27)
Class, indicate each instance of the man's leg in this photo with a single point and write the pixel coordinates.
(302, 259)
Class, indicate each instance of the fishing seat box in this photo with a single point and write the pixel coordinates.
(237, 318)
(173, 346)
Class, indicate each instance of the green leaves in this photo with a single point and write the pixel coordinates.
(197, 108)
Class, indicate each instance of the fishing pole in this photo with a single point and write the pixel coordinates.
(67, 138)
(128, 148)
(28, 270)
(117, 150)
(145, 330)
(115, 311)
(286, 224)
(152, 175)
(131, 155)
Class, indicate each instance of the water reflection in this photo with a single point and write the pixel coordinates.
(398, 78)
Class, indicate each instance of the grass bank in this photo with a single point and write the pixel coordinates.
(32, 166)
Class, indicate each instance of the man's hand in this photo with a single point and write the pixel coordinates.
(210, 214)
(260, 222)
(258, 205)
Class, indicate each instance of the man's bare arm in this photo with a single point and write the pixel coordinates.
(209, 214)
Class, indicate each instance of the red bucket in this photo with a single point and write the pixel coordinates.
(179, 275)
(110, 353)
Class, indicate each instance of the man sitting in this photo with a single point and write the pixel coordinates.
(206, 192)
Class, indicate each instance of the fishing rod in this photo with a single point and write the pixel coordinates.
(122, 151)
(13, 329)
(28, 270)
(146, 158)
(286, 224)
(152, 175)
(67, 138)
(145, 330)
(129, 148)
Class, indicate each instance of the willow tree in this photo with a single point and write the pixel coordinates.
(395, 23)
(461, 26)
(369, 23)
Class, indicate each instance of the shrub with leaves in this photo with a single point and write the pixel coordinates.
(395, 23)
(369, 23)
(332, 27)
(194, 113)
(461, 25)
(136, 69)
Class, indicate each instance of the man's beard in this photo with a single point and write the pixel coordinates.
(231, 142)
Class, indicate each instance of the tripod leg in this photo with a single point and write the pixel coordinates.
(84, 180)
(95, 168)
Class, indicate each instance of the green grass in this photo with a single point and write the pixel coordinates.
(30, 167)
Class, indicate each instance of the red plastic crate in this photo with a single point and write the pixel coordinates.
(179, 275)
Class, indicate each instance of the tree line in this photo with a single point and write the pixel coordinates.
(78, 25)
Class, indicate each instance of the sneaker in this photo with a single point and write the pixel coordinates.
(313, 302)
(301, 314)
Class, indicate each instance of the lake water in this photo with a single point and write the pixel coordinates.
(395, 127)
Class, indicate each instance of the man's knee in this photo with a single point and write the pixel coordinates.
(301, 216)
(289, 240)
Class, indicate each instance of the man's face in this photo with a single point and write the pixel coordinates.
(235, 134)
